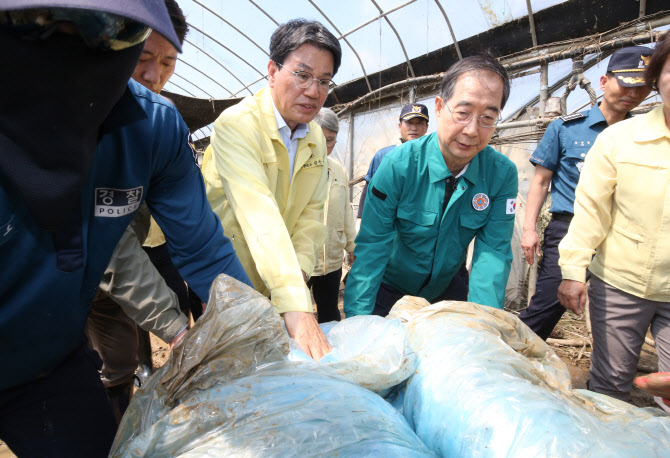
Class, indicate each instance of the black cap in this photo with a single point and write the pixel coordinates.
(628, 65)
(148, 12)
(414, 110)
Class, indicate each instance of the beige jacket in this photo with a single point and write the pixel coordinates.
(274, 223)
(339, 220)
(622, 210)
(133, 282)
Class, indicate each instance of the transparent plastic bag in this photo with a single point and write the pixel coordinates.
(486, 385)
(368, 350)
(229, 390)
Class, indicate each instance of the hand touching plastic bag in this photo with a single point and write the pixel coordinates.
(229, 390)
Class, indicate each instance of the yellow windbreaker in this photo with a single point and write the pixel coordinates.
(622, 210)
(339, 220)
(275, 227)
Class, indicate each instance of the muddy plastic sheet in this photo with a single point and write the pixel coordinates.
(229, 390)
(487, 386)
(368, 350)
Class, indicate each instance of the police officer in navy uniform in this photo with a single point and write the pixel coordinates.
(81, 148)
(558, 162)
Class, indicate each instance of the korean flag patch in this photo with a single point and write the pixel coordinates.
(511, 206)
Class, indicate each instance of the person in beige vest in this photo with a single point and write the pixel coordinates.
(339, 220)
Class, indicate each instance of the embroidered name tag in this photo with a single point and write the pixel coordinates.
(312, 163)
(114, 203)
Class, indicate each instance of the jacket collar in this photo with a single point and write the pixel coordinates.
(269, 122)
(653, 128)
(127, 110)
(437, 168)
(595, 116)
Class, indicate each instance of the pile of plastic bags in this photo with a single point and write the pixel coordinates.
(230, 390)
(460, 380)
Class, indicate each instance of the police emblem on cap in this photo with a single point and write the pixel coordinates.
(416, 109)
(480, 201)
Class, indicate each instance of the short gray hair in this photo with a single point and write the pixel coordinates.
(481, 63)
(327, 119)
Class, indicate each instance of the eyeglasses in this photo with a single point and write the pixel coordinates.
(464, 117)
(303, 80)
(104, 31)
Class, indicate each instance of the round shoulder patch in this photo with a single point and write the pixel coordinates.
(480, 201)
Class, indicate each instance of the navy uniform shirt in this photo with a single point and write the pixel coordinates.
(563, 149)
(49, 278)
(377, 160)
(410, 240)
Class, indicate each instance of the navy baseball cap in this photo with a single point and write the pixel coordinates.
(629, 64)
(414, 110)
(152, 13)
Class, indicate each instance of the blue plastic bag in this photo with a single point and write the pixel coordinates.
(368, 350)
(486, 385)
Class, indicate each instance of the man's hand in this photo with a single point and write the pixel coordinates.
(657, 384)
(305, 277)
(572, 295)
(352, 258)
(530, 243)
(302, 327)
(177, 339)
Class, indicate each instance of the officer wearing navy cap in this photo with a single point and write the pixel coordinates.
(81, 148)
(558, 161)
(412, 124)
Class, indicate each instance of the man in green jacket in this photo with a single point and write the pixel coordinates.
(432, 196)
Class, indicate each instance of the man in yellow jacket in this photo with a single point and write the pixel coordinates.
(266, 174)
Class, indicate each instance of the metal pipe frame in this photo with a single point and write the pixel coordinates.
(249, 85)
(402, 45)
(556, 48)
(544, 87)
(192, 84)
(451, 30)
(357, 28)
(350, 151)
(365, 74)
(264, 12)
(206, 76)
(178, 86)
(217, 62)
(531, 21)
(231, 25)
(225, 47)
(417, 81)
(583, 50)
